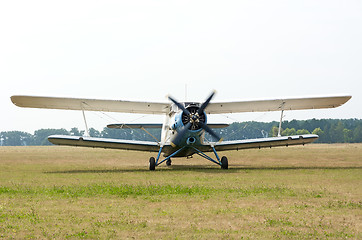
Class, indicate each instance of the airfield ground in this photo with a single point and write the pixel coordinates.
(310, 192)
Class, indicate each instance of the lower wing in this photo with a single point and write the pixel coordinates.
(155, 147)
(104, 143)
(262, 143)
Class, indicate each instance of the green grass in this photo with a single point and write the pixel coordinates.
(99, 190)
(78, 193)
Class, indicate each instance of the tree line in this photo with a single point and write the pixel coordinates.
(329, 131)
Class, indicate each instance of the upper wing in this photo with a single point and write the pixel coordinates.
(104, 143)
(91, 104)
(277, 104)
(156, 125)
(134, 125)
(262, 142)
(162, 108)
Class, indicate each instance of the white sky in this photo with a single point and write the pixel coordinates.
(144, 50)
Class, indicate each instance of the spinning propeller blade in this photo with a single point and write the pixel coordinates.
(204, 105)
(180, 106)
(203, 125)
(180, 134)
(210, 131)
(194, 117)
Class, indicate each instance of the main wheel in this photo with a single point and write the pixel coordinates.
(152, 163)
(168, 162)
(224, 163)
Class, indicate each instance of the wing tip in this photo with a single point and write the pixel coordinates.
(14, 99)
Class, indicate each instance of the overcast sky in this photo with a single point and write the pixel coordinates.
(144, 50)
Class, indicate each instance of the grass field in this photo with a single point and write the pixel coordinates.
(56, 192)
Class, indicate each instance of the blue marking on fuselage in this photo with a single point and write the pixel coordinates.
(197, 134)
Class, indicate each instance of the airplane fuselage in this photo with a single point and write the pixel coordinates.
(175, 124)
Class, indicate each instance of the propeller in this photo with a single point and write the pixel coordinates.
(204, 105)
(180, 106)
(195, 119)
(180, 134)
(210, 131)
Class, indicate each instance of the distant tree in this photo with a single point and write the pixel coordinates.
(348, 135)
(274, 131)
(325, 138)
(318, 131)
(336, 132)
(289, 132)
(357, 134)
(41, 135)
(75, 132)
(328, 130)
(94, 133)
(292, 124)
(110, 133)
(302, 131)
(15, 138)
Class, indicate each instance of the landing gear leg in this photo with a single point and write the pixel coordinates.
(224, 163)
(152, 163)
(168, 162)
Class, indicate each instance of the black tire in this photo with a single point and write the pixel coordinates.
(168, 162)
(152, 164)
(224, 163)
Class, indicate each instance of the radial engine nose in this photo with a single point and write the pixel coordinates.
(190, 140)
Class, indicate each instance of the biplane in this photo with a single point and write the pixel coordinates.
(185, 124)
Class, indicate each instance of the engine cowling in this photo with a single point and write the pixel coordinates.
(194, 118)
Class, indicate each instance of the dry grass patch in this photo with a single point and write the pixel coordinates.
(78, 193)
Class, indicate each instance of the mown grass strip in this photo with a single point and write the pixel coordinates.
(93, 190)
(100, 190)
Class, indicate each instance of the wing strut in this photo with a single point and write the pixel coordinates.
(85, 122)
(281, 119)
(150, 134)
